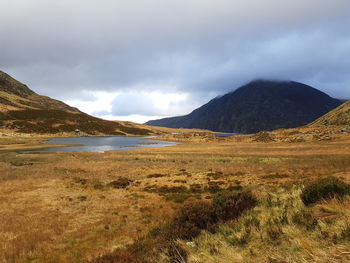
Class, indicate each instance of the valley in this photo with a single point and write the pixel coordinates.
(73, 207)
(174, 131)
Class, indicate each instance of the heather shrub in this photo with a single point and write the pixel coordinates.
(119, 256)
(274, 233)
(156, 175)
(305, 218)
(121, 182)
(324, 188)
(194, 216)
(230, 205)
(178, 197)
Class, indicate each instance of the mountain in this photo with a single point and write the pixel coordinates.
(337, 117)
(24, 111)
(257, 106)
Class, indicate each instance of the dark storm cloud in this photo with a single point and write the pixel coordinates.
(201, 47)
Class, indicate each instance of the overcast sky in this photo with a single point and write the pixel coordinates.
(143, 59)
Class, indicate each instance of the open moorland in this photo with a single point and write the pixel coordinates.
(115, 206)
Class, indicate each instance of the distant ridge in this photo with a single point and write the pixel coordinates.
(24, 111)
(259, 105)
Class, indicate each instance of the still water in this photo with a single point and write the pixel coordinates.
(101, 144)
(223, 135)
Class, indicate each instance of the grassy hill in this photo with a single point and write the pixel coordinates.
(337, 117)
(24, 111)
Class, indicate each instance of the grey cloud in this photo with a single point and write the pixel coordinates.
(205, 48)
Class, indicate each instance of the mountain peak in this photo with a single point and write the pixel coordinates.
(257, 106)
(270, 81)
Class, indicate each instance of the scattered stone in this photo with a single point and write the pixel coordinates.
(263, 137)
(302, 138)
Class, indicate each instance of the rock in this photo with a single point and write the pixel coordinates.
(191, 244)
(80, 133)
(344, 130)
(301, 138)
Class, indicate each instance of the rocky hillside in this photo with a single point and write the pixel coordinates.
(24, 111)
(258, 106)
(337, 117)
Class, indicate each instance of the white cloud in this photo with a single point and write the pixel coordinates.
(134, 106)
(148, 103)
(100, 102)
(134, 118)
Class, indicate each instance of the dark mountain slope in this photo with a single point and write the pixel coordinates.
(22, 110)
(259, 105)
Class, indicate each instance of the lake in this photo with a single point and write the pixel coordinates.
(102, 144)
(223, 135)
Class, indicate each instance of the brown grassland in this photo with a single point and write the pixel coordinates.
(74, 207)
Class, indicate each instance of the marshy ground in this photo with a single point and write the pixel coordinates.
(72, 207)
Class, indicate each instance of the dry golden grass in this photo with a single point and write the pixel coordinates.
(59, 207)
(281, 229)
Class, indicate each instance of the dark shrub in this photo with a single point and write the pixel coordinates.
(119, 256)
(172, 189)
(166, 189)
(305, 218)
(176, 254)
(98, 186)
(240, 240)
(345, 233)
(234, 188)
(216, 175)
(195, 188)
(178, 197)
(230, 205)
(324, 188)
(156, 175)
(79, 180)
(213, 187)
(121, 182)
(152, 248)
(194, 216)
(274, 233)
(82, 198)
(180, 181)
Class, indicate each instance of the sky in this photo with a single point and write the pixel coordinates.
(148, 59)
